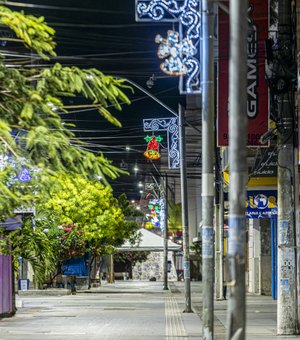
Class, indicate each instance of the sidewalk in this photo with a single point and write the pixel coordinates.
(261, 313)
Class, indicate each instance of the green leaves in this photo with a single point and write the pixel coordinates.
(32, 132)
(33, 31)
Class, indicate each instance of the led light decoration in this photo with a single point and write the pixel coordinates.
(171, 126)
(162, 213)
(162, 210)
(22, 175)
(175, 53)
(25, 175)
(152, 151)
(188, 14)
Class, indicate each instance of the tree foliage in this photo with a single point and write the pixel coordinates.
(32, 132)
(31, 245)
(92, 207)
(77, 216)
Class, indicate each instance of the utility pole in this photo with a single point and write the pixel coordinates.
(184, 210)
(236, 313)
(166, 236)
(219, 229)
(208, 107)
(287, 285)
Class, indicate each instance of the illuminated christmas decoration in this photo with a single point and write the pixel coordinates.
(24, 176)
(152, 151)
(175, 53)
(153, 209)
(171, 126)
(187, 13)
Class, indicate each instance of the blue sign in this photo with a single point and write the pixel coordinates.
(261, 204)
(76, 266)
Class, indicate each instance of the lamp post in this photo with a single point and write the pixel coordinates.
(187, 287)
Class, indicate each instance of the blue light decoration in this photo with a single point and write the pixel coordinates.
(161, 202)
(175, 52)
(171, 126)
(188, 14)
(22, 175)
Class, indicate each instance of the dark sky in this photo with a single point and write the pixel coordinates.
(104, 34)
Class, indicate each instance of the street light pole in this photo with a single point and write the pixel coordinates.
(236, 312)
(166, 236)
(184, 211)
(287, 322)
(208, 108)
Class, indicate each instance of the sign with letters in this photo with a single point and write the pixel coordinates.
(257, 88)
(261, 204)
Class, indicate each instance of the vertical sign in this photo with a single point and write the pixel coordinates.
(257, 88)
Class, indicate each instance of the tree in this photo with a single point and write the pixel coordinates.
(93, 219)
(90, 205)
(32, 133)
(32, 246)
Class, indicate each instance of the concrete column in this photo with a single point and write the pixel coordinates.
(194, 207)
(254, 257)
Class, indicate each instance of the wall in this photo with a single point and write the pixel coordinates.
(254, 256)
(260, 261)
(153, 267)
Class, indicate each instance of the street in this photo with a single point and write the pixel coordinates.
(131, 310)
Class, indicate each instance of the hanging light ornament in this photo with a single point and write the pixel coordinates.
(152, 151)
(175, 53)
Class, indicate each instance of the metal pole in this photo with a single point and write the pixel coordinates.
(236, 312)
(166, 236)
(111, 271)
(184, 212)
(287, 304)
(208, 107)
(219, 237)
(296, 180)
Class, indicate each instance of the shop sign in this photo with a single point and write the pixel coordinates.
(262, 204)
(257, 88)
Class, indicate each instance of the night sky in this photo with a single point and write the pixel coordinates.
(105, 35)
